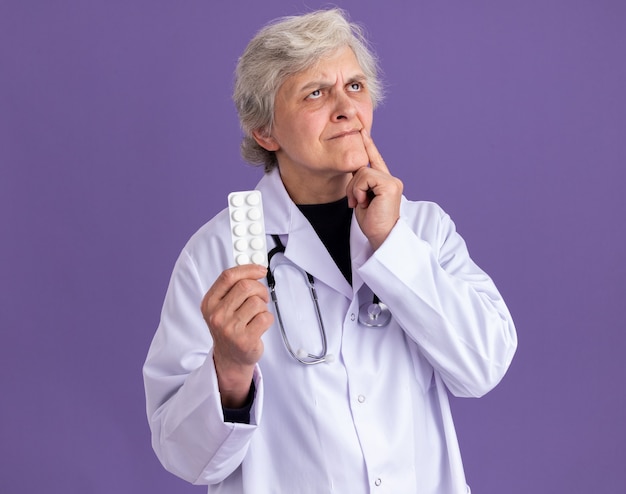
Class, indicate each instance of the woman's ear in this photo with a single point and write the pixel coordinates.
(264, 140)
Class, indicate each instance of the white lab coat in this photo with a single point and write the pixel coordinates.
(377, 419)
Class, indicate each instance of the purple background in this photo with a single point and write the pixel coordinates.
(118, 139)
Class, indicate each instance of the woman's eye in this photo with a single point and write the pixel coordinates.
(355, 86)
(315, 94)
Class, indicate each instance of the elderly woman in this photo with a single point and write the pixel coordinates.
(233, 400)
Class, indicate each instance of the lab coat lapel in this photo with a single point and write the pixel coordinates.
(303, 247)
(360, 251)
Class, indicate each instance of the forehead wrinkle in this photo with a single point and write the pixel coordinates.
(320, 75)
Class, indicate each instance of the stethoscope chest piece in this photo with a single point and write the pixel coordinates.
(374, 314)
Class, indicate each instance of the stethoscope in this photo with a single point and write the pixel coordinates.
(373, 315)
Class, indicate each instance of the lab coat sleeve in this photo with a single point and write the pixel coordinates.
(445, 303)
(189, 435)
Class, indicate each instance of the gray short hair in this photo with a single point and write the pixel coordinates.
(283, 48)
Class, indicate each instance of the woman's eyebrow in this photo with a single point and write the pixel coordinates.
(356, 78)
(319, 84)
(309, 86)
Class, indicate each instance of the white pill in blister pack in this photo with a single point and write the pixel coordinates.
(247, 227)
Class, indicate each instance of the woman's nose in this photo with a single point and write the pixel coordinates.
(344, 107)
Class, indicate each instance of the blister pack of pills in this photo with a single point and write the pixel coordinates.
(247, 227)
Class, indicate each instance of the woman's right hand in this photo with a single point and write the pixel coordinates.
(235, 310)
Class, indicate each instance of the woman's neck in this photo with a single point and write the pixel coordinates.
(317, 189)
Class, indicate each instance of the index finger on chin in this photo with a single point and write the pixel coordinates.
(376, 160)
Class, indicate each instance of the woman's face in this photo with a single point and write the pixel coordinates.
(317, 121)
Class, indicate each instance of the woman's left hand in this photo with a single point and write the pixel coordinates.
(375, 195)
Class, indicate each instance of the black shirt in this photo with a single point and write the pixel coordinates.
(331, 222)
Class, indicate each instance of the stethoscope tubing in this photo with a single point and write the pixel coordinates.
(373, 315)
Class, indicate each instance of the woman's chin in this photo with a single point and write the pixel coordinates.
(355, 161)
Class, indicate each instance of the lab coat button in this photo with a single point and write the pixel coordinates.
(352, 316)
(361, 399)
(377, 482)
